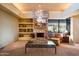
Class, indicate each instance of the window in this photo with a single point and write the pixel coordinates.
(58, 26)
(62, 26)
(53, 26)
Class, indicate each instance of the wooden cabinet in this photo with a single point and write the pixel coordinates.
(65, 39)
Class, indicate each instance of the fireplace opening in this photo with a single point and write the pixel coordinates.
(40, 34)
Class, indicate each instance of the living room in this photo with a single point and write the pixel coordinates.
(20, 24)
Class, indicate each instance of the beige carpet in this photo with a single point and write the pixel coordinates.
(17, 49)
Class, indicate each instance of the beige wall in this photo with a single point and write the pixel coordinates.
(8, 28)
(75, 28)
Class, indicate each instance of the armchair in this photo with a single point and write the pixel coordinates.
(57, 38)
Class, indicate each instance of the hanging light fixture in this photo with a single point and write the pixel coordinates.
(40, 15)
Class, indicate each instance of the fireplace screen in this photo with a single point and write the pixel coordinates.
(40, 34)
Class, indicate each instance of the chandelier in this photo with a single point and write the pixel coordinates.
(40, 15)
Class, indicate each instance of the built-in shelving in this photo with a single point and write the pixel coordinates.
(25, 28)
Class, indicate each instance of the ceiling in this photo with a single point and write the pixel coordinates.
(44, 6)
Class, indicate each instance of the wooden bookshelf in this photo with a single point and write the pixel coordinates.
(25, 28)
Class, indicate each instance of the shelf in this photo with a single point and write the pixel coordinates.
(25, 27)
(26, 22)
(25, 32)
